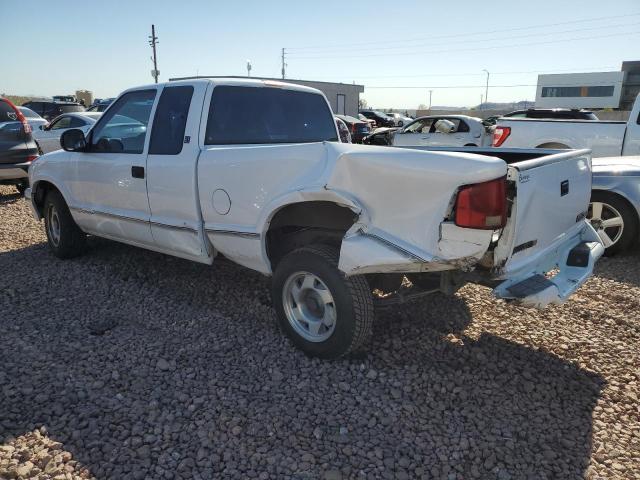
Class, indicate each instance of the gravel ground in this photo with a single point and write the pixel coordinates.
(130, 364)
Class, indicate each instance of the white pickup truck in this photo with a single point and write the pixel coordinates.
(604, 138)
(252, 170)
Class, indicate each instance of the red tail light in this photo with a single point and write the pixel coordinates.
(19, 116)
(31, 158)
(500, 134)
(353, 128)
(482, 205)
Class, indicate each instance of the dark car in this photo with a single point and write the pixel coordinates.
(17, 148)
(49, 109)
(100, 105)
(553, 113)
(358, 128)
(382, 119)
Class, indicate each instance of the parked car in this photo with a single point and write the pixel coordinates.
(100, 105)
(447, 130)
(334, 224)
(48, 136)
(49, 109)
(358, 128)
(17, 148)
(343, 130)
(372, 123)
(381, 119)
(33, 118)
(381, 136)
(399, 120)
(553, 113)
(604, 138)
(614, 211)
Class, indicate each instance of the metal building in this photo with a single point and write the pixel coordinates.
(344, 98)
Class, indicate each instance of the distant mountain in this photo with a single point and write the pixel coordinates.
(521, 105)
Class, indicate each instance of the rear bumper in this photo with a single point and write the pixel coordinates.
(572, 262)
(12, 171)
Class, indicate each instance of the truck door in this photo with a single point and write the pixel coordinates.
(108, 185)
(171, 165)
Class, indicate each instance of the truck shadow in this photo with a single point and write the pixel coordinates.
(426, 398)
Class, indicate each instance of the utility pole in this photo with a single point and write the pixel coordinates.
(248, 68)
(153, 41)
(283, 64)
(480, 106)
(486, 91)
(430, 93)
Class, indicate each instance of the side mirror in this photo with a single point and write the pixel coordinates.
(42, 127)
(73, 140)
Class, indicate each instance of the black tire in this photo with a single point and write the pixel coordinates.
(629, 217)
(352, 300)
(71, 241)
(22, 187)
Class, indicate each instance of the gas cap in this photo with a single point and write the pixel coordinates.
(221, 201)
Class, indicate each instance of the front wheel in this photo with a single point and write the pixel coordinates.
(614, 220)
(64, 237)
(324, 313)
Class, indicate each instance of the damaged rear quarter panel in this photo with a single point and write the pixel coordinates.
(406, 195)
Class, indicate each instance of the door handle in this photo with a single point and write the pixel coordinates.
(137, 172)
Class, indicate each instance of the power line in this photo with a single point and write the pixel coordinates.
(404, 46)
(484, 32)
(468, 74)
(582, 84)
(425, 52)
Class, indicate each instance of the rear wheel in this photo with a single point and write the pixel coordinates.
(614, 220)
(65, 238)
(324, 313)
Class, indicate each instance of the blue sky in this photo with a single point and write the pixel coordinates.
(54, 47)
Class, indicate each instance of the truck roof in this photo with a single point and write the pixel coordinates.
(240, 82)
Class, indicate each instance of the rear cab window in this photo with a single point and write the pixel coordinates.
(265, 115)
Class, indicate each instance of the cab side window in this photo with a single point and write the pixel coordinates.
(170, 121)
(123, 128)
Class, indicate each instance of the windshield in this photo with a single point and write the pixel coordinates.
(27, 112)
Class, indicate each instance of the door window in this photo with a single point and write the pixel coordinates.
(170, 121)
(64, 122)
(123, 128)
(419, 126)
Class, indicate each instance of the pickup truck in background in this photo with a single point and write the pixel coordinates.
(604, 138)
(252, 170)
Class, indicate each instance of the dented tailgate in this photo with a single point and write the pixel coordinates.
(549, 200)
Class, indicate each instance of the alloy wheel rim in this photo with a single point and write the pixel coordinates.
(53, 225)
(607, 222)
(309, 306)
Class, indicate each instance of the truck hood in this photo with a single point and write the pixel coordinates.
(615, 166)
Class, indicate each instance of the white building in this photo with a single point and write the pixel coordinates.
(580, 90)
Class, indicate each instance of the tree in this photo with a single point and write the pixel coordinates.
(362, 103)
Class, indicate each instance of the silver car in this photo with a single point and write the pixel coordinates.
(48, 137)
(33, 118)
(615, 201)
